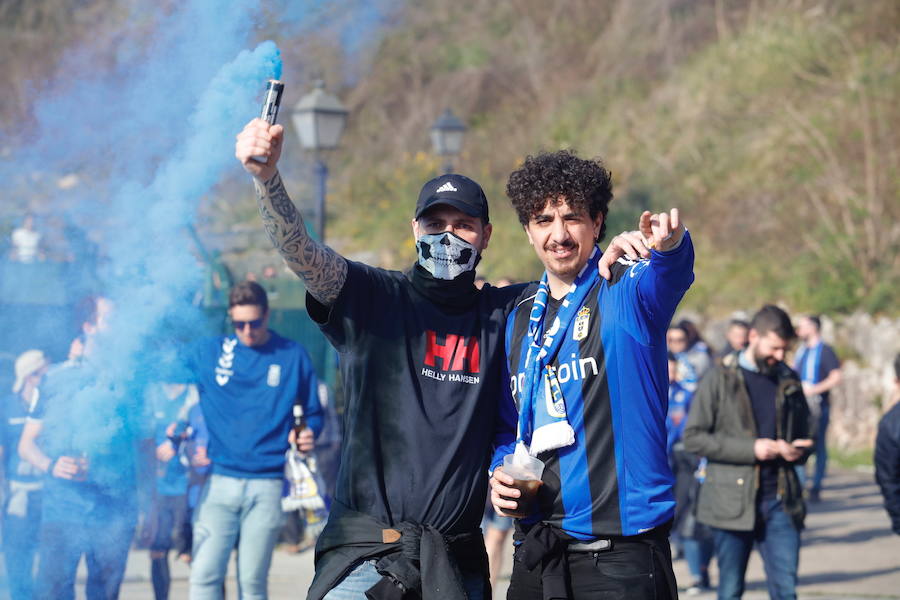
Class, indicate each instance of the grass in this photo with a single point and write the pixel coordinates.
(851, 459)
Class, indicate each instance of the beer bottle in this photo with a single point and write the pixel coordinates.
(299, 424)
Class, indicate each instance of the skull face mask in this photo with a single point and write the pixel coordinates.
(446, 255)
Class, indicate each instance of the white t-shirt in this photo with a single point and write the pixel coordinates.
(25, 243)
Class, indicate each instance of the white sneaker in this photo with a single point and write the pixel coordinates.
(695, 589)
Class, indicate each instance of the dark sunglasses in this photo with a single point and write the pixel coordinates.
(254, 324)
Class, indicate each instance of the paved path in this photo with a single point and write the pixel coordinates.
(848, 552)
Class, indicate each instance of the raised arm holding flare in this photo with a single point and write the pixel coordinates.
(321, 268)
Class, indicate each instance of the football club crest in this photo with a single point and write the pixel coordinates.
(556, 405)
(582, 322)
(273, 378)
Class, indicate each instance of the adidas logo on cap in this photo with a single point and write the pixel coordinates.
(454, 190)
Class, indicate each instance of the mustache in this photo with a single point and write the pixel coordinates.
(565, 245)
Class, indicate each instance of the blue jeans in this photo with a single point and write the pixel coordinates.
(820, 450)
(778, 541)
(354, 585)
(232, 510)
(21, 527)
(104, 543)
(698, 553)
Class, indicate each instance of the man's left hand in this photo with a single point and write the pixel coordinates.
(662, 231)
(200, 458)
(306, 442)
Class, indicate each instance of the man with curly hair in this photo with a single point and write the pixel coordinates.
(587, 358)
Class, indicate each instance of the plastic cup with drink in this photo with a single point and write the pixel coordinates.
(526, 472)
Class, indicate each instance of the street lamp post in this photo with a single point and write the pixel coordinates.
(447, 135)
(319, 119)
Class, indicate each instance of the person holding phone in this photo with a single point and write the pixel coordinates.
(750, 419)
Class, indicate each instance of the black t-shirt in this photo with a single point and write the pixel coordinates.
(426, 394)
(762, 391)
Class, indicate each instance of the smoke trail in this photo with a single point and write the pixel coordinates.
(156, 272)
(121, 101)
(149, 127)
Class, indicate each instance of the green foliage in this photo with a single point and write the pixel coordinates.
(379, 229)
(849, 459)
(822, 289)
(465, 55)
(772, 126)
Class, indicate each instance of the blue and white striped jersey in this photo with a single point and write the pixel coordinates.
(615, 479)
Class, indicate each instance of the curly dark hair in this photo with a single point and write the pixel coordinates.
(586, 184)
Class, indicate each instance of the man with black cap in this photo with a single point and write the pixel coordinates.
(426, 385)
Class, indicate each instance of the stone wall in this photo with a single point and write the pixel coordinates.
(868, 389)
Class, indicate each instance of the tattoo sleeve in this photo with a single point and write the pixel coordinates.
(321, 268)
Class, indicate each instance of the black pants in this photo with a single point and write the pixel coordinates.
(167, 524)
(294, 527)
(20, 544)
(632, 570)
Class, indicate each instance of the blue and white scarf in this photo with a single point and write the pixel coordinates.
(808, 363)
(543, 420)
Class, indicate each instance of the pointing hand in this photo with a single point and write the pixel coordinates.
(661, 231)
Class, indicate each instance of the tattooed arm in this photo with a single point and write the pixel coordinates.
(321, 268)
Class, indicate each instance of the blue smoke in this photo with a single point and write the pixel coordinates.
(154, 275)
(126, 115)
(154, 133)
(146, 117)
(151, 248)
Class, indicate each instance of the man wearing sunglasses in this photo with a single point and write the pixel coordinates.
(249, 382)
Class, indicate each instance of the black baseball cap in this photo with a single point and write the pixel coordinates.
(454, 190)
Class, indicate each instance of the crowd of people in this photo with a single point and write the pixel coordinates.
(600, 433)
(192, 461)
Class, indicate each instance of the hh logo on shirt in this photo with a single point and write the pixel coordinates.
(455, 358)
